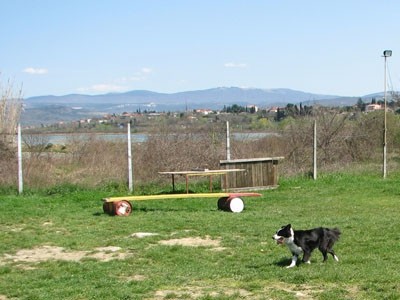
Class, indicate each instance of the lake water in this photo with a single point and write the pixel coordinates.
(60, 139)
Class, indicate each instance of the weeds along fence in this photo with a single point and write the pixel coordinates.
(342, 140)
(91, 161)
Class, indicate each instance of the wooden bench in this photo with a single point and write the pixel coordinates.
(205, 172)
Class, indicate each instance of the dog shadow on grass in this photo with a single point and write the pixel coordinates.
(284, 262)
(145, 209)
(169, 209)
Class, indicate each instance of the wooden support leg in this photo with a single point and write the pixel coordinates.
(225, 184)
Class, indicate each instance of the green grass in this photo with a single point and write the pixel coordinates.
(247, 264)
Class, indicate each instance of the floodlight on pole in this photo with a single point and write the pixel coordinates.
(386, 54)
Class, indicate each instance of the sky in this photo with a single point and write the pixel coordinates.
(60, 47)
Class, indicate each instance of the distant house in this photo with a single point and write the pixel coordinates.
(373, 107)
(204, 111)
(252, 108)
(273, 109)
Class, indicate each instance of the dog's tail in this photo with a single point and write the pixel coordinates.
(334, 234)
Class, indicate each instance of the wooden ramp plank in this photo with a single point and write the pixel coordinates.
(179, 196)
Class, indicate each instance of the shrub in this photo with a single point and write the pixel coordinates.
(87, 160)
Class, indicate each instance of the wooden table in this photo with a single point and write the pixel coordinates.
(205, 172)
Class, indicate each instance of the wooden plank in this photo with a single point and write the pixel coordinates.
(244, 194)
(179, 196)
(202, 173)
(250, 160)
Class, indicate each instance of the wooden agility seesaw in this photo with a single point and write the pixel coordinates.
(121, 206)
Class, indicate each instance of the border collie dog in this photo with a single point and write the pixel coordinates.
(305, 241)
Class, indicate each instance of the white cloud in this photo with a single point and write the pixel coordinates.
(35, 71)
(235, 65)
(118, 85)
(146, 70)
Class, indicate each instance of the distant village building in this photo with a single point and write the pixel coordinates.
(204, 111)
(273, 109)
(252, 108)
(373, 107)
(83, 121)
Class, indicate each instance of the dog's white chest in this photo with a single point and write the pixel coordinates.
(293, 247)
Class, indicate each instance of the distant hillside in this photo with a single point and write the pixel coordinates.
(54, 113)
(51, 109)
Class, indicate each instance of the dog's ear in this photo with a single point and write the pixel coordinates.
(289, 226)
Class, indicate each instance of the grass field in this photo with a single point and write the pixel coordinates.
(58, 244)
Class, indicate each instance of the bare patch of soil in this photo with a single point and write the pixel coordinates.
(192, 242)
(309, 292)
(198, 292)
(300, 292)
(46, 253)
(105, 254)
(141, 235)
(134, 278)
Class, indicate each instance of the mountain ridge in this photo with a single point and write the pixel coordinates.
(213, 98)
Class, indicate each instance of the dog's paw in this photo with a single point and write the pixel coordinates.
(336, 258)
(290, 266)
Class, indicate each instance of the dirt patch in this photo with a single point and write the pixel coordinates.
(198, 292)
(310, 292)
(46, 253)
(299, 291)
(108, 253)
(134, 278)
(141, 235)
(192, 242)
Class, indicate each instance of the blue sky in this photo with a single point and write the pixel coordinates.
(58, 47)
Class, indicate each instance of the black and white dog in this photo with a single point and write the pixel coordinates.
(305, 241)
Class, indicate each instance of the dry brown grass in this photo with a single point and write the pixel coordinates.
(92, 162)
(8, 165)
(10, 110)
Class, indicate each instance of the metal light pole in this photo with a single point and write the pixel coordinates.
(228, 143)
(130, 171)
(20, 173)
(386, 54)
